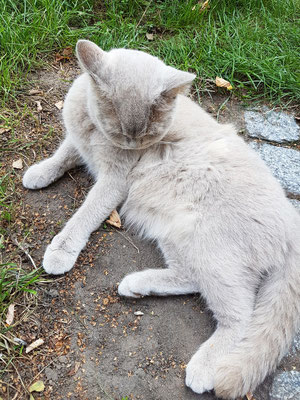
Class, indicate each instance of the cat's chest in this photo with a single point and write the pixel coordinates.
(162, 194)
(92, 148)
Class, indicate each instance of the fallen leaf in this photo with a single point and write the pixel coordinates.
(59, 105)
(10, 314)
(223, 83)
(114, 219)
(31, 397)
(150, 36)
(249, 396)
(38, 105)
(32, 92)
(105, 301)
(38, 386)
(138, 313)
(34, 345)
(4, 130)
(203, 7)
(18, 164)
(75, 369)
(64, 55)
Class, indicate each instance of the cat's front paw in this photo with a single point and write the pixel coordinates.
(38, 176)
(58, 261)
(129, 286)
(199, 375)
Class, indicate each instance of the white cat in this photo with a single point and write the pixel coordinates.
(221, 220)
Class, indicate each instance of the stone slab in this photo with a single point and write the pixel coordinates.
(271, 125)
(283, 162)
(286, 386)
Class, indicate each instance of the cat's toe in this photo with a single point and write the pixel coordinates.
(198, 377)
(127, 288)
(57, 261)
(36, 177)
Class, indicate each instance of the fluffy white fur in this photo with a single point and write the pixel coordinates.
(221, 220)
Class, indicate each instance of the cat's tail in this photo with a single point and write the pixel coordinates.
(275, 320)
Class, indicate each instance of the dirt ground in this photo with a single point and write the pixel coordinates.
(95, 346)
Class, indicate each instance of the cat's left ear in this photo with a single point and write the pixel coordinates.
(177, 82)
(90, 56)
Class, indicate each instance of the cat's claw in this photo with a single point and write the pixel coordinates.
(128, 287)
(199, 377)
(58, 261)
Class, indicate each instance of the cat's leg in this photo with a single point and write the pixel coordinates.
(157, 282)
(47, 171)
(160, 282)
(232, 302)
(65, 247)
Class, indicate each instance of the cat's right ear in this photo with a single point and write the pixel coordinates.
(90, 56)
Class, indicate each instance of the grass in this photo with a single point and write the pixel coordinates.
(252, 43)
(16, 287)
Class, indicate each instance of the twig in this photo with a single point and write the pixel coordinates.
(71, 177)
(104, 392)
(21, 380)
(144, 13)
(25, 251)
(39, 373)
(128, 240)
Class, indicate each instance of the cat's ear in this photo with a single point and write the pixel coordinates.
(90, 56)
(177, 81)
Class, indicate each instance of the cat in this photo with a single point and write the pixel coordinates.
(220, 218)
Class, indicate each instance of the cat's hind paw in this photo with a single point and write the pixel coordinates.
(129, 287)
(58, 261)
(199, 377)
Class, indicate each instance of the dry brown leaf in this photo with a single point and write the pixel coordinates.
(34, 345)
(18, 164)
(223, 83)
(249, 396)
(38, 105)
(64, 55)
(75, 369)
(150, 36)
(114, 219)
(32, 92)
(105, 301)
(59, 105)
(4, 130)
(10, 314)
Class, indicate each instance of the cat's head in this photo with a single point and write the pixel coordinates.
(133, 94)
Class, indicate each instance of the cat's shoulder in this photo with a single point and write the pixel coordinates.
(79, 85)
